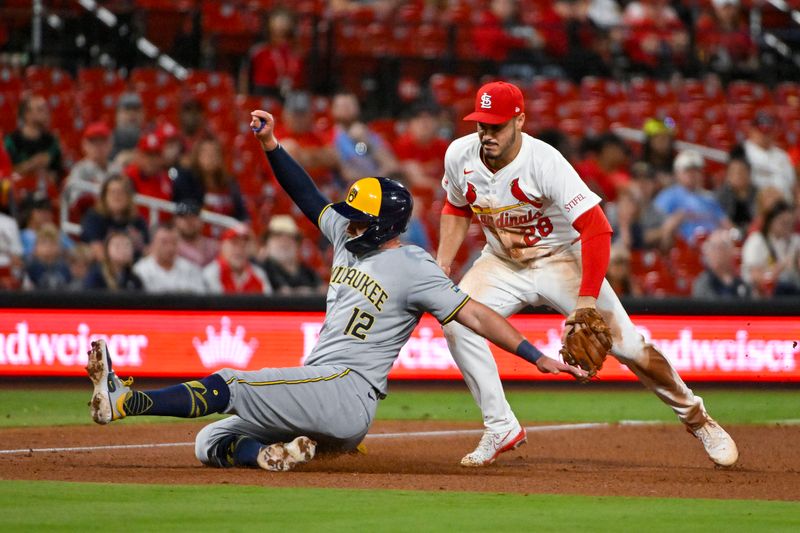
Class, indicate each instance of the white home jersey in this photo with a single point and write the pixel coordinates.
(526, 208)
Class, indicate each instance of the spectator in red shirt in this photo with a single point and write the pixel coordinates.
(495, 36)
(420, 150)
(276, 65)
(147, 172)
(605, 169)
(232, 272)
(298, 137)
(657, 38)
(723, 40)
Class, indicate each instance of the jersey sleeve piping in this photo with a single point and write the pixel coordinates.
(455, 311)
(319, 218)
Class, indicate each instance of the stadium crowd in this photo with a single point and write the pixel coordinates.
(78, 148)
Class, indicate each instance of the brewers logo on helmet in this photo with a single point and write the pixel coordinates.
(384, 203)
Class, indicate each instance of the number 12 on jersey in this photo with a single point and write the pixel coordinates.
(360, 322)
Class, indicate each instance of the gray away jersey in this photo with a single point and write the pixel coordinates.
(374, 303)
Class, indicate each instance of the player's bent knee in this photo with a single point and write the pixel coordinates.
(629, 348)
(203, 444)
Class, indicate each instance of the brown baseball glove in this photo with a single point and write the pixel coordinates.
(588, 341)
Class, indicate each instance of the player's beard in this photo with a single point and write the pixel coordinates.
(496, 161)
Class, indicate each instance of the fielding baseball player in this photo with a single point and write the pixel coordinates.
(548, 243)
(378, 292)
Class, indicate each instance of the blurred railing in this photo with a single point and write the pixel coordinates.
(155, 206)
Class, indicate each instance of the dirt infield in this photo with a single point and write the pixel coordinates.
(659, 460)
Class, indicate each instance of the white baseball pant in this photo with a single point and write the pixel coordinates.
(555, 281)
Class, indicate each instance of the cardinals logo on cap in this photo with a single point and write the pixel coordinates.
(471, 194)
(486, 101)
(517, 192)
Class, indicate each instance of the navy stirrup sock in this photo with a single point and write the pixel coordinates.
(187, 400)
(235, 450)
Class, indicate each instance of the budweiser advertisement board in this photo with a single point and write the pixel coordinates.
(195, 343)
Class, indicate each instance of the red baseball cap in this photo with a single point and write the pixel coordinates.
(97, 130)
(150, 143)
(239, 231)
(167, 132)
(497, 102)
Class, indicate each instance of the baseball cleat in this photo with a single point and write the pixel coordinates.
(493, 444)
(281, 457)
(718, 444)
(109, 391)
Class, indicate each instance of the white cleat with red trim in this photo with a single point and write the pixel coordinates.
(493, 444)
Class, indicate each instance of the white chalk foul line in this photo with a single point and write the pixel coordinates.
(95, 448)
(409, 434)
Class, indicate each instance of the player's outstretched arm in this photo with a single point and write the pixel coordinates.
(497, 329)
(290, 175)
(452, 231)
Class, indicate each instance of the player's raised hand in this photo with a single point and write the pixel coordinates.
(263, 126)
(546, 365)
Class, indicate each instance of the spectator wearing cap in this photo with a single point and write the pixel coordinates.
(114, 212)
(172, 149)
(771, 256)
(771, 166)
(147, 172)
(93, 169)
(362, 152)
(192, 244)
(34, 151)
(37, 212)
(420, 150)
(605, 168)
(163, 270)
(737, 194)
(720, 278)
(658, 150)
(723, 41)
(307, 146)
(207, 182)
(128, 124)
(275, 66)
(280, 258)
(232, 272)
(700, 212)
(46, 269)
(114, 271)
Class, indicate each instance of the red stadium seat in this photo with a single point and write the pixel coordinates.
(148, 79)
(430, 41)
(48, 80)
(746, 92)
(788, 94)
(8, 114)
(10, 82)
(99, 78)
(204, 82)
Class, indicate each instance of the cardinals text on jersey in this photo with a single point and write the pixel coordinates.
(526, 208)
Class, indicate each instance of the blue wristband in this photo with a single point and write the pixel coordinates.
(529, 352)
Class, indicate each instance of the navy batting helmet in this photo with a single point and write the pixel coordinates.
(384, 203)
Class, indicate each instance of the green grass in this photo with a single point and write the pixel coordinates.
(66, 407)
(54, 506)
